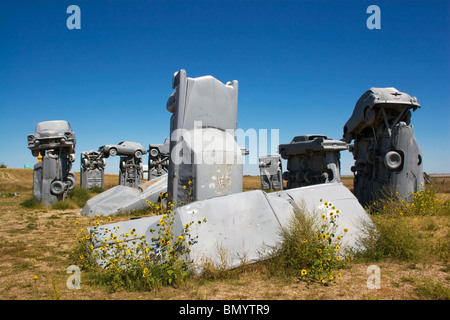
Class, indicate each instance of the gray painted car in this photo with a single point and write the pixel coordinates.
(312, 159)
(124, 148)
(51, 135)
(388, 159)
(366, 113)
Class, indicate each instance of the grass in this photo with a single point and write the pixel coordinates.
(432, 290)
(410, 231)
(77, 199)
(38, 241)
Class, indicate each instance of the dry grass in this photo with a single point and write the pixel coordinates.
(36, 242)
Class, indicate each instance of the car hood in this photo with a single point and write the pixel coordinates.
(48, 133)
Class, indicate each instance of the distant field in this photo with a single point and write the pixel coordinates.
(35, 243)
(22, 180)
(15, 180)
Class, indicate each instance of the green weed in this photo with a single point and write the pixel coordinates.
(311, 246)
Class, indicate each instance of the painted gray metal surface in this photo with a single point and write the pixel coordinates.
(246, 226)
(130, 164)
(123, 199)
(311, 159)
(52, 177)
(45, 172)
(54, 134)
(240, 226)
(158, 159)
(92, 169)
(387, 156)
(367, 111)
(124, 148)
(205, 160)
(130, 171)
(270, 171)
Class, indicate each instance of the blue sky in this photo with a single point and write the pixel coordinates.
(301, 67)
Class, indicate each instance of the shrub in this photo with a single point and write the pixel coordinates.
(79, 196)
(395, 238)
(421, 203)
(311, 246)
(96, 189)
(31, 203)
(432, 290)
(138, 264)
(77, 199)
(401, 225)
(63, 205)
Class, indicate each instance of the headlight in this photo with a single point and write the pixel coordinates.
(154, 153)
(392, 160)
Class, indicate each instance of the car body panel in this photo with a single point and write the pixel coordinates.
(51, 135)
(124, 148)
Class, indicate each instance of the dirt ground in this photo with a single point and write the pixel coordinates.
(35, 243)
